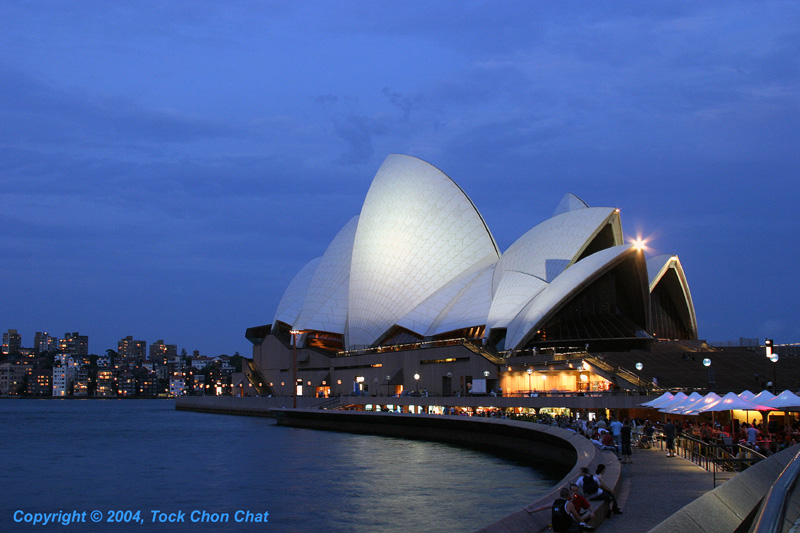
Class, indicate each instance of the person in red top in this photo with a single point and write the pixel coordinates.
(580, 503)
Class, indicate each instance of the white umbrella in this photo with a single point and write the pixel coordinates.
(667, 396)
(711, 397)
(676, 400)
(683, 407)
(730, 402)
(747, 395)
(762, 397)
(785, 401)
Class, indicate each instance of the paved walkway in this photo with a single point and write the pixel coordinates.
(654, 487)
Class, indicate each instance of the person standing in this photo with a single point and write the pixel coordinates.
(627, 452)
(616, 432)
(669, 432)
(752, 434)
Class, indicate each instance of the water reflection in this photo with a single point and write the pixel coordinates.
(142, 454)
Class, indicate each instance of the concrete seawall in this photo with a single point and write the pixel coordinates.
(231, 405)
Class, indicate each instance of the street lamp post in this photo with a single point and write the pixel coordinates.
(774, 358)
(529, 371)
(639, 367)
(707, 364)
(294, 333)
(416, 383)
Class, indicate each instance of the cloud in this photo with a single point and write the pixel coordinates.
(41, 112)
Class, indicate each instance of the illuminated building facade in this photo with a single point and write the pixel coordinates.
(163, 352)
(132, 349)
(74, 344)
(40, 382)
(417, 282)
(12, 378)
(106, 383)
(44, 342)
(64, 370)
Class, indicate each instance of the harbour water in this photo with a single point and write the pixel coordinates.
(80, 456)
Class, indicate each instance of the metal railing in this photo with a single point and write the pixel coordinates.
(772, 514)
(723, 460)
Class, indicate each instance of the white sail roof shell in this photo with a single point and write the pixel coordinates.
(561, 289)
(325, 304)
(461, 303)
(569, 202)
(292, 301)
(540, 255)
(470, 308)
(658, 266)
(417, 231)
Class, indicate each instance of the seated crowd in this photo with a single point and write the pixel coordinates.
(572, 511)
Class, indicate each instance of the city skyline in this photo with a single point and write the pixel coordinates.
(168, 169)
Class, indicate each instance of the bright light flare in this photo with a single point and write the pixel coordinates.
(639, 243)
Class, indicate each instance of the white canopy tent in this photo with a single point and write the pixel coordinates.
(683, 406)
(664, 398)
(785, 401)
(762, 397)
(708, 399)
(676, 400)
(746, 395)
(731, 401)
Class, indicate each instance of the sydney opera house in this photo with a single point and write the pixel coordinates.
(414, 295)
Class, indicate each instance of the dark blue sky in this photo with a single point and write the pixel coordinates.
(166, 168)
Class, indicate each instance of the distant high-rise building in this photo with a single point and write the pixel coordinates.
(12, 342)
(64, 370)
(161, 352)
(74, 344)
(44, 342)
(129, 348)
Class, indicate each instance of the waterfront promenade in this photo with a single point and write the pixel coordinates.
(653, 488)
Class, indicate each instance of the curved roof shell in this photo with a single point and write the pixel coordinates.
(292, 301)
(569, 202)
(541, 255)
(417, 232)
(462, 303)
(562, 289)
(666, 270)
(325, 303)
